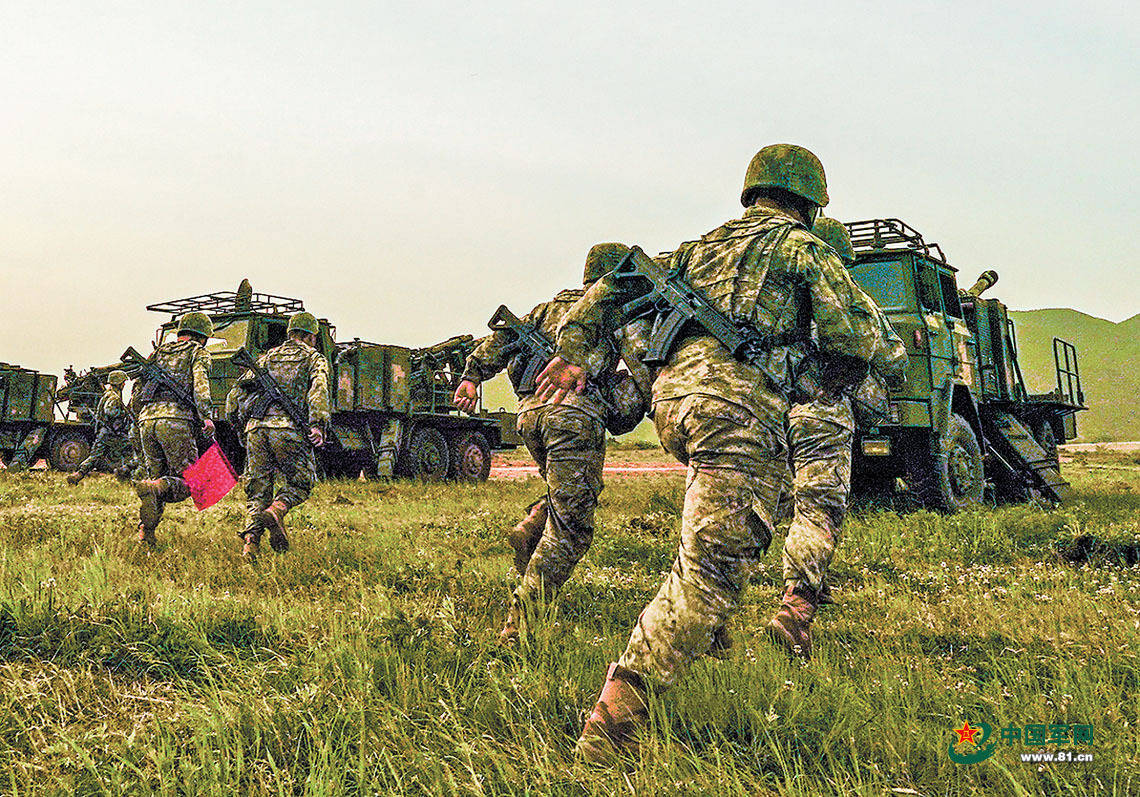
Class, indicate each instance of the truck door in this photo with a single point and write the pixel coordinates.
(943, 352)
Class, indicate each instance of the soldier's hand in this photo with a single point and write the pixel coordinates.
(557, 379)
(316, 436)
(208, 427)
(466, 396)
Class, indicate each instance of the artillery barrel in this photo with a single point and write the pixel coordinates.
(986, 281)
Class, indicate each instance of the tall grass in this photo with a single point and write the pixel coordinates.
(364, 661)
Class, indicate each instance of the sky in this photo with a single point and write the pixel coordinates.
(405, 168)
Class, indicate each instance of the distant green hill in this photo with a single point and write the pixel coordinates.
(1108, 355)
(1109, 358)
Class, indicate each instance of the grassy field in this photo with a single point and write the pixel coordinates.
(363, 662)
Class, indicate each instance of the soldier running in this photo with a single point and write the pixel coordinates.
(820, 434)
(113, 424)
(567, 441)
(166, 426)
(724, 417)
(274, 445)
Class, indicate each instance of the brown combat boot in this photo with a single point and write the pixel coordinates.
(74, 478)
(791, 627)
(525, 536)
(146, 535)
(621, 711)
(721, 644)
(273, 518)
(512, 628)
(149, 491)
(252, 545)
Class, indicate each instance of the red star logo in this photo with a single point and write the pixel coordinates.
(966, 733)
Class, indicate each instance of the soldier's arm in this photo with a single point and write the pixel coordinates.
(595, 315)
(201, 378)
(113, 410)
(844, 315)
(318, 397)
(890, 359)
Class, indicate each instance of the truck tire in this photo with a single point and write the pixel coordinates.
(427, 456)
(470, 457)
(950, 475)
(68, 450)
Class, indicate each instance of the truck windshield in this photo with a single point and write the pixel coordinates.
(885, 282)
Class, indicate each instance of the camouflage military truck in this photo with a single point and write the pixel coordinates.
(963, 429)
(391, 405)
(29, 429)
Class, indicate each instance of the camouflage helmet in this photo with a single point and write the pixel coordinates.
(789, 167)
(196, 324)
(834, 234)
(602, 259)
(116, 378)
(304, 322)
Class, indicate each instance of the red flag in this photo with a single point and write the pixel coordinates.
(210, 479)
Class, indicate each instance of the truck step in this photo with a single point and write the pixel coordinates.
(1020, 449)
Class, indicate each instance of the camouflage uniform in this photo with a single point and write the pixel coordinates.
(567, 441)
(166, 427)
(724, 418)
(274, 445)
(112, 441)
(820, 436)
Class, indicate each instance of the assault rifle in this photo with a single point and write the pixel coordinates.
(269, 393)
(149, 371)
(528, 342)
(678, 304)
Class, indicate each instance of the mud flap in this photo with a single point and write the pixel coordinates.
(1019, 451)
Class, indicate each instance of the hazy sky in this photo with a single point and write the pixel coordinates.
(405, 168)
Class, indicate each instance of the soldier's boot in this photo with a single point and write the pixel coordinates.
(123, 474)
(621, 711)
(252, 545)
(512, 627)
(721, 643)
(791, 627)
(146, 535)
(150, 493)
(273, 518)
(525, 536)
(74, 478)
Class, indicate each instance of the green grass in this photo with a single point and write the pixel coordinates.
(363, 662)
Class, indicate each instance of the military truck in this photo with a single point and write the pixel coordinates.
(391, 405)
(29, 429)
(963, 429)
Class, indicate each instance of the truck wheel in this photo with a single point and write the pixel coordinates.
(427, 455)
(68, 450)
(470, 457)
(951, 476)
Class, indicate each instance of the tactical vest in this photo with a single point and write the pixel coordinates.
(177, 359)
(290, 367)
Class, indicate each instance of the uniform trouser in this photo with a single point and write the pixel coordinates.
(269, 453)
(169, 447)
(569, 447)
(109, 448)
(821, 457)
(736, 466)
